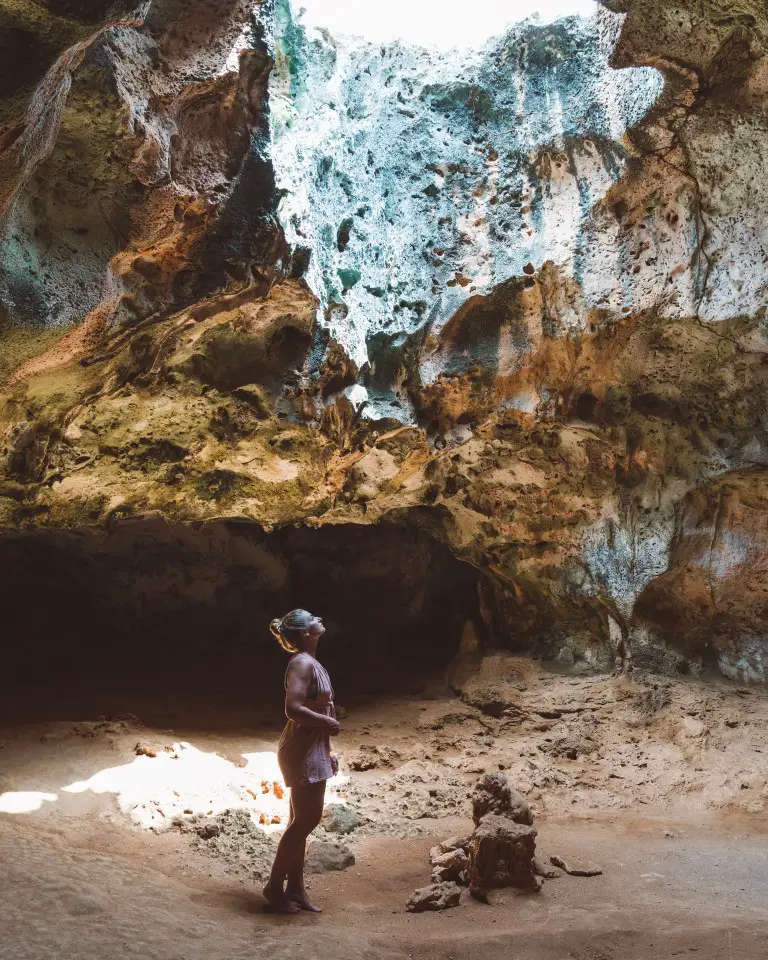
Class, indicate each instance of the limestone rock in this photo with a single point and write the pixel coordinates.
(341, 818)
(713, 591)
(449, 866)
(544, 870)
(577, 868)
(501, 854)
(438, 896)
(449, 846)
(326, 855)
(493, 795)
(548, 387)
(490, 681)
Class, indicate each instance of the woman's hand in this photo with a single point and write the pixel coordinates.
(333, 724)
(334, 763)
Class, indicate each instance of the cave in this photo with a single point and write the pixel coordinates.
(151, 613)
(446, 323)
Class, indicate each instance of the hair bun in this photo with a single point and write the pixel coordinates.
(275, 628)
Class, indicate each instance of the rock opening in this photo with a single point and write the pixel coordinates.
(153, 608)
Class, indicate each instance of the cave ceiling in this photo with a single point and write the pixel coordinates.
(514, 297)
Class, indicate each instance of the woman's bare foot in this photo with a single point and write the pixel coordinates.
(301, 899)
(278, 900)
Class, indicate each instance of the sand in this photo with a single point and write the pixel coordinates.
(663, 783)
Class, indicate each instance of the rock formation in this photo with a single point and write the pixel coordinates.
(500, 852)
(514, 303)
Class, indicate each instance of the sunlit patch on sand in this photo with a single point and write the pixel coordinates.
(184, 781)
(15, 801)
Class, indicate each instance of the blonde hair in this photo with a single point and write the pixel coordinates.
(295, 622)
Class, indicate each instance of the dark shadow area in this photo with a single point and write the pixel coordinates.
(90, 11)
(23, 57)
(99, 623)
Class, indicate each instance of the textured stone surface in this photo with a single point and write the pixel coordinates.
(418, 180)
(556, 365)
(501, 854)
(438, 896)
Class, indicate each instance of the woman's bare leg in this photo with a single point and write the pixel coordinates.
(294, 888)
(306, 811)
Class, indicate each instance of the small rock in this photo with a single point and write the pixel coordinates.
(492, 794)
(342, 819)
(437, 896)
(329, 855)
(447, 846)
(143, 750)
(361, 762)
(450, 866)
(579, 869)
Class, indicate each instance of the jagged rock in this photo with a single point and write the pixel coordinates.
(449, 846)
(493, 795)
(450, 866)
(341, 818)
(501, 854)
(548, 388)
(329, 855)
(438, 896)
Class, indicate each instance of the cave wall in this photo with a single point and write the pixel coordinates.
(584, 422)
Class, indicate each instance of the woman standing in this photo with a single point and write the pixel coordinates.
(304, 755)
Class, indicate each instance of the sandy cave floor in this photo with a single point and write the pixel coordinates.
(663, 782)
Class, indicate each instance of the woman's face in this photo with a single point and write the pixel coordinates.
(316, 628)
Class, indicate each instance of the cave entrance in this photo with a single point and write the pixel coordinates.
(153, 613)
(431, 22)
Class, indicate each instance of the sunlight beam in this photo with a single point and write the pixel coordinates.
(184, 781)
(441, 23)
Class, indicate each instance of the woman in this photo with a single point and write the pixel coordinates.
(304, 755)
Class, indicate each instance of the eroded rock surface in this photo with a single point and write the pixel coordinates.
(575, 402)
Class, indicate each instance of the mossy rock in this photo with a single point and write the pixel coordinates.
(219, 484)
(160, 450)
(256, 397)
(288, 440)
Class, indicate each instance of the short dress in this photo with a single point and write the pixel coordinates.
(304, 753)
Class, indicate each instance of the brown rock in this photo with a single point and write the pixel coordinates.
(450, 866)
(493, 794)
(577, 868)
(501, 854)
(448, 846)
(438, 896)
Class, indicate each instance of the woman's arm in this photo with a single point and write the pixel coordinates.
(299, 678)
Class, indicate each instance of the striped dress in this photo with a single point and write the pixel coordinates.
(304, 753)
